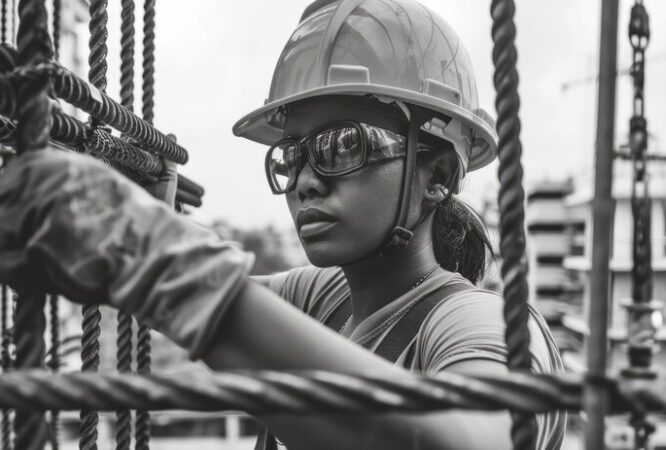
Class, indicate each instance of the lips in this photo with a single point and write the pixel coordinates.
(312, 221)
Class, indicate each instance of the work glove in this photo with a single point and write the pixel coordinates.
(73, 226)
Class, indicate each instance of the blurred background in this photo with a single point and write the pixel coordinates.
(214, 63)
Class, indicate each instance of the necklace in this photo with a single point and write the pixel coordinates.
(418, 283)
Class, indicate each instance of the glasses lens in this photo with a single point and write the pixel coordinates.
(383, 144)
(337, 150)
(283, 165)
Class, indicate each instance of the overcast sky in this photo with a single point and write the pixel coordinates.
(215, 60)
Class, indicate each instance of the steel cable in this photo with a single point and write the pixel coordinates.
(78, 93)
(91, 314)
(3, 21)
(54, 306)
(511, 206)
(142, 433)
(124, 340)
(33, 128)
(5, 360)
(267, 392)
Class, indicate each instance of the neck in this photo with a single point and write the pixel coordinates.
(379, 279)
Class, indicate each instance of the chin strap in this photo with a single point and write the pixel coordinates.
(400, 236)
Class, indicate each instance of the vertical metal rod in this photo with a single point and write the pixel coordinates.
(595, 396)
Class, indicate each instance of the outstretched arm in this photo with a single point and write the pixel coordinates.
(261, 331)
(88, 233)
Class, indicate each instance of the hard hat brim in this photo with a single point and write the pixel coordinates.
(256, 127)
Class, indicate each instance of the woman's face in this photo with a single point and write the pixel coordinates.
(343, 218)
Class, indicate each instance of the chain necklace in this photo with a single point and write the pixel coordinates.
(418, 283)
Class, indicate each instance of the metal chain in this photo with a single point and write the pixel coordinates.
(512, 214)
(640, 311)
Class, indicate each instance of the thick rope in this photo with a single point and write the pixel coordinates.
(148, 86)
(90, 363)
(511, 206)
(267, 392)
(34, 122)
(54, 306)
(30, 429)
(54, 362)
(97, 44)
(3, 21)
(77, 92)
(91, 314)
(143, 362)
(124, 365)
(57, 8)
(5, 360)
(142, 433)
(124, 341)
(127, 55)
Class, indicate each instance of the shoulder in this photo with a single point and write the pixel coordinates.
(303, 286)
(469, 324)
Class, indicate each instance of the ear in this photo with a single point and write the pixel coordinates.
(440, 169)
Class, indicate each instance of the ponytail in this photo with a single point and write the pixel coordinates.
(460, 239)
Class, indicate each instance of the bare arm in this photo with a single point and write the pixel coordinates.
(261, 331)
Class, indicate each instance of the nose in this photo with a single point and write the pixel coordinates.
(309, 184)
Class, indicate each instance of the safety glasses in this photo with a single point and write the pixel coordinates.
(336, 149)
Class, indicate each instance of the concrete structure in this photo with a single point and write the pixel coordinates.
(550, 235)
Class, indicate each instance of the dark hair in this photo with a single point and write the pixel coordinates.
(459, 235)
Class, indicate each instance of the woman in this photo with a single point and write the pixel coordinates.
(372, 122)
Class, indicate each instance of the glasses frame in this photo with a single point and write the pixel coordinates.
(311, 159)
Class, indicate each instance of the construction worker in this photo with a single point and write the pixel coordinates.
(372, 122)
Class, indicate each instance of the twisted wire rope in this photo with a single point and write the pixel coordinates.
(148, 75)
(127, 55)
(6, 363)
(124, 365)
(91, 313)
(3, 21)
(124, 340)
(33, 129)
(54, 362)
(268, 392)
(511, 206)
(143, 363)
(30, 428)
(54, 305)
(133, 161)
(57, 8)
(142, 432)
(78, 93)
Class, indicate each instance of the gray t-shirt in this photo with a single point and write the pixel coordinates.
(467, 325)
